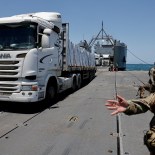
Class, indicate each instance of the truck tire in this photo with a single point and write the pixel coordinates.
(50, 93)
(74, 85)
(91, 75)
(79, 82)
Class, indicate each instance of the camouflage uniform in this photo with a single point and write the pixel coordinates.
(150, 86)
(151, 82)
(140, 106)
(152, 75)
(137, 106)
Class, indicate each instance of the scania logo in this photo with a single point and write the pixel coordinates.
(5, 56)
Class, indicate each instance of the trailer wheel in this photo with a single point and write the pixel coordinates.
(74, 86)
(91, 75)
(79, 82)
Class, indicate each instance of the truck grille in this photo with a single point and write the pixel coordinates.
(10, 72)
(8, 62)
(9, 69)
(8, 79)
(9, 88)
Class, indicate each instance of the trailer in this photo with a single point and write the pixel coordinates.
(38, 60)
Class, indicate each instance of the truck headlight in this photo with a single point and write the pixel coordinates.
(29, 88)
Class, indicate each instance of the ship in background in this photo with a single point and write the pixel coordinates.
(109, 51)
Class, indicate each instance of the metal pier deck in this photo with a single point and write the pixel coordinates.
(78, 124)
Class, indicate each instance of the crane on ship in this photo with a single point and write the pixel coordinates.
(100, 36)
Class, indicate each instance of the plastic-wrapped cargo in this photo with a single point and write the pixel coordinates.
(78, 58)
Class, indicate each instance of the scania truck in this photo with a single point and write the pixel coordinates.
(38, 60)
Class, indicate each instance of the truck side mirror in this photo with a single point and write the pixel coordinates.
(45, 42)
(62, 35)
(47, 31)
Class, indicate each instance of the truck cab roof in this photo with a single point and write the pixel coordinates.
(43, 18)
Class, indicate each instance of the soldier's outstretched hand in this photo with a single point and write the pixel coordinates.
(118, 105)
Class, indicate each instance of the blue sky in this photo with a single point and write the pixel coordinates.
(130, 21)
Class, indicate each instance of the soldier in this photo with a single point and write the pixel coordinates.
(131, 107)
(111, 68)
(150, 86)
(141, 90)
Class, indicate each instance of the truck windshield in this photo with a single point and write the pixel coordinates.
(18, 37)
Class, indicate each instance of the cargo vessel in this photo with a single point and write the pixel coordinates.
(109, 51)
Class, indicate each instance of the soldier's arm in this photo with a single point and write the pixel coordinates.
(135, 108)
(141, 105)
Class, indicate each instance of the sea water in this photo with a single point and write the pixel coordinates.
(138, 67)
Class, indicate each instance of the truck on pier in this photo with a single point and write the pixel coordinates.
(37, 59)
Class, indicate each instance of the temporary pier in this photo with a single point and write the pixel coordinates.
(79, 123)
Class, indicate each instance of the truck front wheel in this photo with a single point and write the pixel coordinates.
(50, 93)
